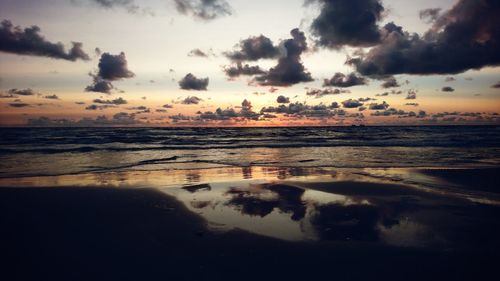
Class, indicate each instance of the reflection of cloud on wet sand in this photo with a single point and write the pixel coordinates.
(286, 199)
(344, 211)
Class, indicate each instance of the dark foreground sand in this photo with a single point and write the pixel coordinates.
(127, 234)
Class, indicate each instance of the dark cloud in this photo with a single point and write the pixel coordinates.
(411, 95)
(140, 109)
(392, 92)
(253, 49)
(343, 81)
(449, 79)
(167, 106)
(28, 41)
(304, 110)
(190, 82)
(180, 117)
(19, 104)
(245, 112)
(496, 86)
(447, 89)
(390, 82)
(351, 103)
(204, 9)
(119, 119)
(52, 97)
(117, 101)
(429, 15)
(318, 93)
(239, 69)
(129, 5)
(114, 67)
(21, 92)
(282, 99)
(378, 106)
(100, 86)
(110, 68)
(400, 113)
(289, 69)
(98, 107)
(191, 100)
(411, 104)
(465, 37)
(347, 22)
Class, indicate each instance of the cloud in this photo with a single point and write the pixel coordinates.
(197, 53)
(462, 38)
(19, 104)
(245, 112)
(129, 5)
(429, 15)
(191, 100)
(239, 69)
(351, 103)
(411, 95)
(100, 86)
(390, 82)
(343, 81)
(289, 69)
(318, 93)
(400, 113)
(110, 68)
(449, 79)
(282, 99)
(300, 110)
(117, 101)
(347, 23)
(167, 106)
(190, 82)
(118, 119)
(378, 106)
(447, 89)
(204, 9)
(140, 109)
(28, 41)
(21, 92)
(411, 104)
(51, 97)
(496, 86)
(114, 67)
(392, 92)
(99, 107)
(253, 49)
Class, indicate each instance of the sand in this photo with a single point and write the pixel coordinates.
(73, 233)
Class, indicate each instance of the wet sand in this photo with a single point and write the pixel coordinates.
(483, 179)
(91, 233)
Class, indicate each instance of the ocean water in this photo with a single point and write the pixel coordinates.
(64, 151)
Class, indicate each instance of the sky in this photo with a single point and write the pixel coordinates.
(249, 63)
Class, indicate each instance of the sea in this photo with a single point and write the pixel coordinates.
(28, 152)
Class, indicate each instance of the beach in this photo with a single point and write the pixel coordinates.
(284, 225)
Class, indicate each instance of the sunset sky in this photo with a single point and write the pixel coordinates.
(261, 62)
